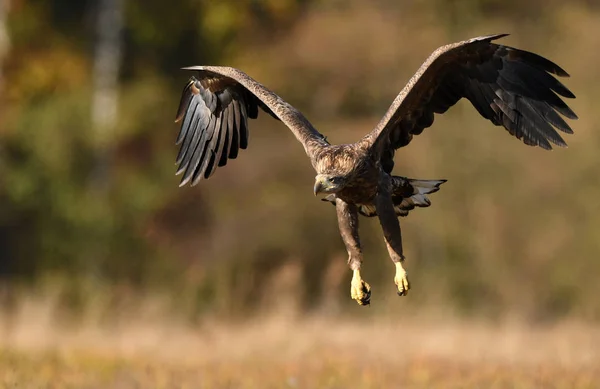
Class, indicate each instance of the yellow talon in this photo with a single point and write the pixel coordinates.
(401, 280)
(359, 289)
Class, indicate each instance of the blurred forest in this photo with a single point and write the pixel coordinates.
(91, 209)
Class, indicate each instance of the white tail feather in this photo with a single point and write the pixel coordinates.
(402, 187)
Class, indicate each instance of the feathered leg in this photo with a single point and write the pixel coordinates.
(392, 234)
(348, 223)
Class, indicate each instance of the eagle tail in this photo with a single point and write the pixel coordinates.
(410, 193)
(407, 194)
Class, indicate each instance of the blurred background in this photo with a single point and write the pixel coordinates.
(96, 234)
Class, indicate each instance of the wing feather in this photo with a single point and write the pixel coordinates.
(220, 145)
(214, 110)
(194, 157)
(185, 126)
(212, 151)
(229, 131)
(512, 88)
(244, 133)
(192, 138)
(205, 155)
(235, 139)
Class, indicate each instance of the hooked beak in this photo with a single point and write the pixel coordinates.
(318, 188)
(322, 184)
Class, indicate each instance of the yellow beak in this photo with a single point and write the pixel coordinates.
(322, 183)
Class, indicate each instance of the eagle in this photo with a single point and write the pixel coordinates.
(512, 88)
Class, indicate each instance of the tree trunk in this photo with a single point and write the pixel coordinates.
(4, 47)
(107, 60)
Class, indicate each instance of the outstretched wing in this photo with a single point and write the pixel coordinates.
(510, 87)
(214, 112)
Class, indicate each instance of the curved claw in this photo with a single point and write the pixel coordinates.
(360, 291)
(401, 280)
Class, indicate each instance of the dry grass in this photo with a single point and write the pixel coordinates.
(299, 353)
(325, 371)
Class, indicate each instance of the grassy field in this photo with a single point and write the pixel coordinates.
(322, 371)
(311, 353)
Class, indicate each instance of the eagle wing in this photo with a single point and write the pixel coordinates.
(510, 87)
(214, 112)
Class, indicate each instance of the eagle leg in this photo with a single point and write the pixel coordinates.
(392, 234)
(347, 215)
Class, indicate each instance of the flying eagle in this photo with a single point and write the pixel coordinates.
(510, 87)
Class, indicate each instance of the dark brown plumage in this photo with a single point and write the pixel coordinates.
(511, 88)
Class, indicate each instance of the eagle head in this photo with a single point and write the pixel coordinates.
(335, 169)
(327, 183)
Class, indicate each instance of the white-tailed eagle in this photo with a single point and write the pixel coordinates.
(511, 88)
